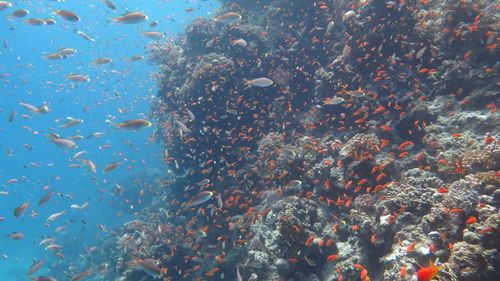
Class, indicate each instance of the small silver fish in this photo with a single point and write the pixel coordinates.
(130, 18)
(259, 82)
(67, 15)
(35, 21)
(228, 18)
(55, 216)
(101, 61)
(152, 34)
(79, 78)
(63, 143)
(85, 36)
(333, 101)
(35, 267)
(18, 14)
(132, 124)
(109, 4)
(19, 210)
(16, 235)
(111, 166)
(45, 198)
(70, 122)
(293, 184)
(200, 198)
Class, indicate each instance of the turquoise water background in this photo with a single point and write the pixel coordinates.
(26, 76)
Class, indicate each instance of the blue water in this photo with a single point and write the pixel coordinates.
(26, 76)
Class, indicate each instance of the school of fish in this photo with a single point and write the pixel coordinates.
(302, 140)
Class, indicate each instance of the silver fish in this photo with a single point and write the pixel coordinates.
(200, 198)
(259, 82)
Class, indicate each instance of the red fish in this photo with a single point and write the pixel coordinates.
(309, 240)
(427, 273)
(331, 258)
(471, 220)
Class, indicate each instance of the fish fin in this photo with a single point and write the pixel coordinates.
(434, 266)
(247, 84)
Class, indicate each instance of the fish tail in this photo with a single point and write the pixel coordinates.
(111, 123)
(134, 262)
(247, 83)
(113, 20)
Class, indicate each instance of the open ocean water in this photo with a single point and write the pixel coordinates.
(120, 90)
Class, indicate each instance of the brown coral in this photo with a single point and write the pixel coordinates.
(468, 262)
(480, 160)
(360, 143)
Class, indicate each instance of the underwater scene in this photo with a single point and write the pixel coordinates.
(249, 140)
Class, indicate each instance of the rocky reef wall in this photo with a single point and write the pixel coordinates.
(375, 149)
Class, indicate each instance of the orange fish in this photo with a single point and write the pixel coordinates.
(339, 274)
(402, 271)
(219, 259)
(410, 247)
(442, 189)
(427, 273)
(489, 140)
(471, 220)
(331, 258)
(309, 240)
(380, 177)
(456, 210)
(326, 184)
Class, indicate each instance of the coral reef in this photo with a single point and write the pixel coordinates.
(374, 150)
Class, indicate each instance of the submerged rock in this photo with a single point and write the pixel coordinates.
(468, 262)
(284, 268)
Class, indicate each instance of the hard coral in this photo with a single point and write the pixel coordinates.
(479, 160)
(164, 53)
(198, 34)
(490, 178)
(462, 194)
(364, 202)
(468, 262)
(359, 143)
(213, 64)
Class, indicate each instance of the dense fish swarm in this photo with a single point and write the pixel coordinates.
(336, 140)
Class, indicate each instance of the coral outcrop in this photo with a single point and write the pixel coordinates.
(374, 149)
